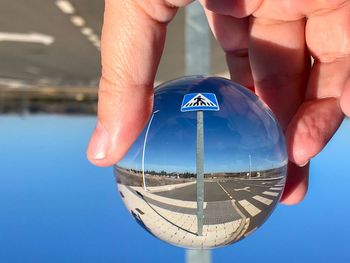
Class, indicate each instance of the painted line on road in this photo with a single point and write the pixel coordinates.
(253, 184)
(65, 6)
(87, 31)
(225, 190)
(250, 208)
(270, 193)
(30, 38)
(78, 21)
(276, 188)
(247, 188)
(263, 200)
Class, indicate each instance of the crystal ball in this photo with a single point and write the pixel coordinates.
(208, 168)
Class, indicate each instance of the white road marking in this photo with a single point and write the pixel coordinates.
(97, 45)
(87, 31)
(65, 6)
(276, 188)
(247, 188)
(250, 208)
(77, 21)
(278, 185)
(93, 38)
(270, 193)
(263, 200)
(27, 37)
(224, 190)
(13, 83)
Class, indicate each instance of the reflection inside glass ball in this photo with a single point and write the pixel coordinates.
(209, 167)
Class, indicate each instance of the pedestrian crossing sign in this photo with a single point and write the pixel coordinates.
(199, 101)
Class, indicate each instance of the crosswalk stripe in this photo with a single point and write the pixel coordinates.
(250, 208)
(270, 193)
(263, 200)
(276, 188)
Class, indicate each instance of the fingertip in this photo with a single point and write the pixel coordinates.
(311, 128)
(102, 149)
(297, 152)
(293, 200)
(296, 197)
(345, 99)
(102, 162)
(296, 185)
(98, 145)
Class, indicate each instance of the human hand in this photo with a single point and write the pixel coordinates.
(268, 46)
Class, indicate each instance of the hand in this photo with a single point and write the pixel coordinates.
(268, 46)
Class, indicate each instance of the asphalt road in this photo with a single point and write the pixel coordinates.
(70, 56)
(220, 191)
(242, 191)
(71, 59)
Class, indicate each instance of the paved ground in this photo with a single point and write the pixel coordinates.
(175, 221)
(254, 198)
(242, 203)
(48, 49)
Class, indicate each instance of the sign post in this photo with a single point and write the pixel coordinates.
(200, 102)
(200, 172)
(197, 61)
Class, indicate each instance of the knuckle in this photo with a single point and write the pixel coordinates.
(109, 89)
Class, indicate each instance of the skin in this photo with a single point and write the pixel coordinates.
(268, 46)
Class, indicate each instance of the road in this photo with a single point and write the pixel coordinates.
(256, 199)
(44, 43)
(221, 190)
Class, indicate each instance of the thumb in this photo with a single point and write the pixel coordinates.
(122, 115)
(131, 44)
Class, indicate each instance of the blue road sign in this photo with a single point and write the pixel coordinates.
(199, 101)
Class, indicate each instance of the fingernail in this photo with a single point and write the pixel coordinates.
(304, 164)
(101, 142)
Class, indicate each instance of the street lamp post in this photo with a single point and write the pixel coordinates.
(250, 166)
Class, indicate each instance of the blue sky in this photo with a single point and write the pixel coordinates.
(241, 128)
(56, 207)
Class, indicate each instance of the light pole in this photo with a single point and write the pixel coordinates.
(143, 151)
(250, 166)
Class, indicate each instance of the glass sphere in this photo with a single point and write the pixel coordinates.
(209, 167)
